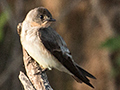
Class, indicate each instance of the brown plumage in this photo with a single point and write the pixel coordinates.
(47, 47)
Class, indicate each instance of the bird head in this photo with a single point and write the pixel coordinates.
(39, 17)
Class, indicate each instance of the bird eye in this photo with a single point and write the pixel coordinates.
(41, 16)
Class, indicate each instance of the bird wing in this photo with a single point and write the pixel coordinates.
(54, 43)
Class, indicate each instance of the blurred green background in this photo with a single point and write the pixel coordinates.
(91, 29)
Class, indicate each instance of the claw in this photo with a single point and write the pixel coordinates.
(29, 60)
(41, 71)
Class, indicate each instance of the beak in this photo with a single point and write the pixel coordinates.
(50, 20)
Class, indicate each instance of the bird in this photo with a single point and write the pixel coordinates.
(47, 47)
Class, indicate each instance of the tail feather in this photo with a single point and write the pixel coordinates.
(85, 72)
(80, 81)
(82, 76)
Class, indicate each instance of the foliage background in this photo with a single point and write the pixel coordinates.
(90, 28)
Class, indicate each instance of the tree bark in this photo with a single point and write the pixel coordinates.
(37, 78)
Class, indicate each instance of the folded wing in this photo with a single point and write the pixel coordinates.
(54, 43)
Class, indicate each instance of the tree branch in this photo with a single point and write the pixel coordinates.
(25, 81)
(33, 70)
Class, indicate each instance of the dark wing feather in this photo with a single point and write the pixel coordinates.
(54, 43)
(85, 72)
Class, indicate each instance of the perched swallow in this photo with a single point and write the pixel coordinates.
(47, 47)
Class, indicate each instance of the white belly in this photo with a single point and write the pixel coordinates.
(38, 52)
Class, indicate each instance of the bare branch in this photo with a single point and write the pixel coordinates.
(33, 70)
(25, 81)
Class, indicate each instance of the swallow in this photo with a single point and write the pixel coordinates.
(47, 47)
